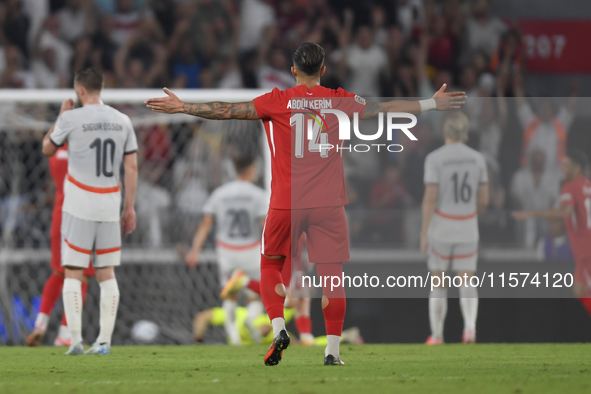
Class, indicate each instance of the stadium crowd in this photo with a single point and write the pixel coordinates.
(380, 48)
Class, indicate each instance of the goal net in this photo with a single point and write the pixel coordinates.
(181, 160)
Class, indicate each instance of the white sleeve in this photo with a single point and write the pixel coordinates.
(525, 114)
(131, 142)
(565, 117)
(431, 172)
(211, 204)
(63, 128)
(263, 204)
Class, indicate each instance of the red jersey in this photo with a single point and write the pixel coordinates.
(58, 168)
(304, 178)
(577, 194)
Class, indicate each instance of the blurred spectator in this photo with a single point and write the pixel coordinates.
(152, 200)
(127, 18)
(483, 31)
(427, 87)
(555, 245)
(272, 69)
(49, 38)
(186, 66)
(15, 24)
(111, 6)
(255, 17)
(388, 197)
(415, 160)
(378, 25)
(75, 20)
(47, 76)
(442, 45)
(546, 129)
(141, 62)
(511, 52)
(410, 14)
(37, 11)
(211, 30)
(535, 187)
(14, 74)
(363, 65)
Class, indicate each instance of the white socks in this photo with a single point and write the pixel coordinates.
(230, 323)
(109, 305)
(254, 309)
(469, 306)
(332, 345)
(64, 333)
(42, 321)
(437, 311)
(72, 297)
(278, 325)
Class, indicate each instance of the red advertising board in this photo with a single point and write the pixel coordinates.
(557, 46)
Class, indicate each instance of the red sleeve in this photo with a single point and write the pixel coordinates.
(358, 104)
(566, 195)
(268, 104)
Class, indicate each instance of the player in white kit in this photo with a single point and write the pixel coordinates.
(239, 208)
(99, 139)
(456, 189)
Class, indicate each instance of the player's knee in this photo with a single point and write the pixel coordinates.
(60, 274)
(280, 290)
(105, 273)
(203, 317)
(325, 302)
(74, 273)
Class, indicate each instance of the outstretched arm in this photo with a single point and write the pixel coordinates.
(442, 101)
(213, 110)
(559, 213)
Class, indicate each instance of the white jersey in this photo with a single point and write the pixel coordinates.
(238, 208)
(458, 171)
(98, 137)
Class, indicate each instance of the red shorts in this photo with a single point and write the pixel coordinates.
(55, 244)
(583, 271)
(326, 229)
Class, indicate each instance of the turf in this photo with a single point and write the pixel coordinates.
(541, 368)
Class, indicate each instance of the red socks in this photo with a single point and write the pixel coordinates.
(587, 304)
(52, 291)
(334, 313)
(254, 285)
(304, 325)
(270, 277)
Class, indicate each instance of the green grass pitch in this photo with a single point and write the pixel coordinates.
(483, 368)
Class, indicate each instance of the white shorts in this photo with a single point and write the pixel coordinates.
(248, 260)
(462, 256)
(80, 238)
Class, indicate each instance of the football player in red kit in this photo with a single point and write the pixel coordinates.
(307, 188)
(575, 209)
(58, 168)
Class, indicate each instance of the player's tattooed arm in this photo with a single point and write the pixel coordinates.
(221, 110)
(213, 110)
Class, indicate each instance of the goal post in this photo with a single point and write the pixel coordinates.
(181, 158)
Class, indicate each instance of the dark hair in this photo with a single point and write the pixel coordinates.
(91, 78)
(241, 163)
(578, 157)
(308, 58)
